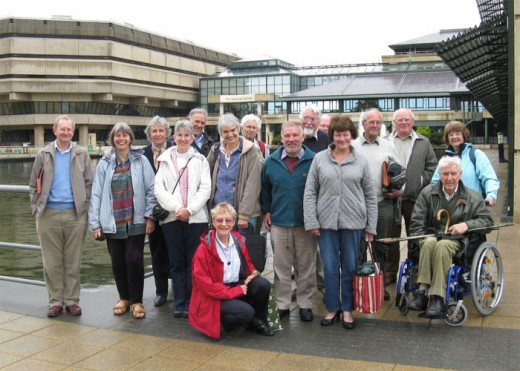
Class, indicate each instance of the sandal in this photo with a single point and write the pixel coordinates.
(138, 311)
(121, 307)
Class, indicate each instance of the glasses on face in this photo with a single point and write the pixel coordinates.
(311, 119)
(224, 221)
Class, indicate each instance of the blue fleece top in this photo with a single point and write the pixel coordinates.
(282, 192)
(481, 176)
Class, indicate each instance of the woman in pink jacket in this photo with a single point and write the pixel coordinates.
(227, 291)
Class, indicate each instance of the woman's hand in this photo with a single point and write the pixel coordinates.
(96, 234)
(242, 223)
(369, 237)
(150, 225)
(244, 288)
(252, 276)
(182, 214)
(489, 202)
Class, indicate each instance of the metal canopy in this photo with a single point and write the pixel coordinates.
(478, 57)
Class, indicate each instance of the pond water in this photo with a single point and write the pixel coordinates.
(17, 225)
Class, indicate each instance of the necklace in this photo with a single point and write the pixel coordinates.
(222, 248)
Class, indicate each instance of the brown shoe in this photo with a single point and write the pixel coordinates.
(54, 311)
(74, 310)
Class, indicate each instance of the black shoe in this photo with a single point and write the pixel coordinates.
(330, 321)
(177, 314)
(261, 328)
(159, 301)
(436, 309)
(185, 314)
(419, 302)
(306, 314)
(349, 325)
(283, 313)
(387, 295)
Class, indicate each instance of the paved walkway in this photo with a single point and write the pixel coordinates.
(387, 340)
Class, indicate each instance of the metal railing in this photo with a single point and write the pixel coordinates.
(25, 189)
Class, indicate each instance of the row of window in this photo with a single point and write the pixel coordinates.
(94, 108)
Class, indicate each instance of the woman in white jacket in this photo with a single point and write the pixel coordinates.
(183, 187)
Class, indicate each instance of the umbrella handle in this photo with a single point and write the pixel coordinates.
(448, 220)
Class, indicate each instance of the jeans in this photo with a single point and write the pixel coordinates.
(339, 253)
(182, 240)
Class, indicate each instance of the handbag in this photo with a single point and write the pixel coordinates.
(369, 285)
(256, 248)
(158, 212)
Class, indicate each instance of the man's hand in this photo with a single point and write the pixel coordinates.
(393, 194)
(315, 232)
(267, 221)
(150, 225)
(458, 229)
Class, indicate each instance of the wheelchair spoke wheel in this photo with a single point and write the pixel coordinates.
(456, 314)
(401, 302)
(487, 278)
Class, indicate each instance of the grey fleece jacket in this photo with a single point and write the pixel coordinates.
(340, 196)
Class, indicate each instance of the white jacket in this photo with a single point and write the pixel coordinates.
(199, 186)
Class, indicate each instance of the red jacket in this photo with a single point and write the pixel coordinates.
(208, 288)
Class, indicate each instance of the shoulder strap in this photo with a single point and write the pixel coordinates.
(262, 147)
(473, 159)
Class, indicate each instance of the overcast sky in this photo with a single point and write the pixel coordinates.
(300, 32)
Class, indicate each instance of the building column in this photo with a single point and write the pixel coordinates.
(83, 135)
(38, 136)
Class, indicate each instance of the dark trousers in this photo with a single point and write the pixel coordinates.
(242, 310)
(406, 210)
(160, 260)
(182, 240)
(128, 266)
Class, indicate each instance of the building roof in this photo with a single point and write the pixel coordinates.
(433, 83)
(432, 39)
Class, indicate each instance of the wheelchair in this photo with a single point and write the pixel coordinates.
(477, 271)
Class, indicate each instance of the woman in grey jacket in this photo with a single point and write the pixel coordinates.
(340, 208)
(121, 207)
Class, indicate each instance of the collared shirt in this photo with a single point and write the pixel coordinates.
(402, 146)
(300, 155)
(228, 158)
(157, 152)
(230, 258)
(56, 147)
(200, 140)
(448, 197)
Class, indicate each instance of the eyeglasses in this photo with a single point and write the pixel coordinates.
(224, 221)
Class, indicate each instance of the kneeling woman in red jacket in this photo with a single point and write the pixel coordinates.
(227, 289)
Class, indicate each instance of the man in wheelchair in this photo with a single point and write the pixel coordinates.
(447, 209)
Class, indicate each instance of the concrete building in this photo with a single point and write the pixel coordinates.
(97, 72)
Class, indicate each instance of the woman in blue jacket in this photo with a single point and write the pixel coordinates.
(477, 171)
(120, 208)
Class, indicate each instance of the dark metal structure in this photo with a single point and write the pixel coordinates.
(479, 57)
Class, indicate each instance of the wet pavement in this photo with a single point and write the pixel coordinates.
(387, 340)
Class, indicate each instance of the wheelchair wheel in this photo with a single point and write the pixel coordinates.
(487, 278)
(401, 302)
(456, 313)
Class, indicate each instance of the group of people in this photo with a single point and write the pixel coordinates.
(319, 195)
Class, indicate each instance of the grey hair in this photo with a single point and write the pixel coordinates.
(184, 125)
(64, 118)
(364, 114)
(313, 108)
(201, 111)
(447, 161)
(223, 208)
(120, 126)
(251, 117)
(403, 110)
(157, 120)
(228, 119)
(290, 123)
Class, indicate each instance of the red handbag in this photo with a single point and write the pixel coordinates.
(369, 290)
